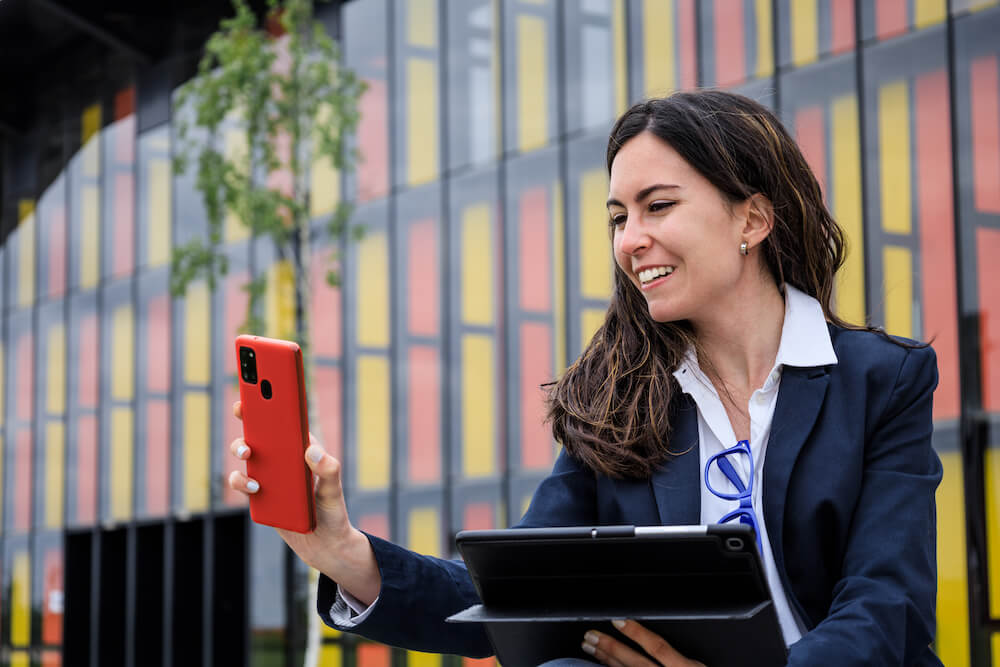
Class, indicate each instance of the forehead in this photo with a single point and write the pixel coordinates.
(646, 159)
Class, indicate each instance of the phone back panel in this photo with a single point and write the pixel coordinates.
(277, 431)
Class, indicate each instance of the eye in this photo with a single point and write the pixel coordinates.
(617, 219)
(660, 205)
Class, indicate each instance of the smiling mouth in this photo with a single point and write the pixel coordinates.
(647, 276)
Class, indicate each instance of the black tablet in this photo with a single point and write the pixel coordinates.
(701, 587)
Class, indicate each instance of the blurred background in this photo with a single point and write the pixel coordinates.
(484, 270)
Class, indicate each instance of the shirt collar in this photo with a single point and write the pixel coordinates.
(805, 341)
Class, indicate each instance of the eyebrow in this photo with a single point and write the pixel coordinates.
(642, 194)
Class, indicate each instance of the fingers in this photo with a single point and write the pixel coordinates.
(240, 482)
(239, 449)
(327, 470)
(612, 652)
(653, 644)
(238, 410)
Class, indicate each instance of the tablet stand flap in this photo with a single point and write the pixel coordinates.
(482, 614)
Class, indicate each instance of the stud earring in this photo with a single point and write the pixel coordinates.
(744, 249)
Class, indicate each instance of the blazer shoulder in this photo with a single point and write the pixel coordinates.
(873, 356)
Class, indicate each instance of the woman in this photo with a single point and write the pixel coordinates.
(719, 337)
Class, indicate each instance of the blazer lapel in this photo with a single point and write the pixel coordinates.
(677, 483)
(800, 398)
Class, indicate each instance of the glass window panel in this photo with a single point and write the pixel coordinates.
(473, 81)
(52, 239)
(234, 312)
(117, 402)
(81, 467)
(21, 243)
(662, 44)
(50, 418)
(154, 206)
(20, 412)
(530, 116)
(596, 78)
(812, 29)
(886, 19)
(85, 171)
(735, 38)
(118, 206)
(416, 111)
(153, 380)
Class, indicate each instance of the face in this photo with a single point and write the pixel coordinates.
(675, 235)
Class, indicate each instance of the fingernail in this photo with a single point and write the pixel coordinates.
(315, 454)
(618, 623)
(241, 450)
(253, 486)
(588, 649)
(590, 638)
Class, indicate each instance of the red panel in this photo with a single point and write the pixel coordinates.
(88, 362)
(373, 139)
(158, 456)
(730, 43)
(25, 378)
(688, 49)
(424, 406)
(535, 250)
(481, 662)
(51, 659)
(937, 240)
(985, 103)
(86, 468)
(536, 369)
(374, 655)
(375, 524)
(158, 338)
(842, 20)
(987, 252)
(22, 480)
(329, 393)
(52, 617)
(124, 217)
(235, 314)
(422, 283)
(326, 305)
(56, 227)
(124, 102)
(479, 516)
(890, 18)
(811, 137)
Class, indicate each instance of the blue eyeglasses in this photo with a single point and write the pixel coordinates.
(745, 511)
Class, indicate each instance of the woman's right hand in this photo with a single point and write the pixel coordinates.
(335, 548)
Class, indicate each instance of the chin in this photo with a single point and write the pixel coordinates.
(663, 313)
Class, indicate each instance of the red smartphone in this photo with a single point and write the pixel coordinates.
(276, 428)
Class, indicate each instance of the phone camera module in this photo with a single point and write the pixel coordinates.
(248, 365)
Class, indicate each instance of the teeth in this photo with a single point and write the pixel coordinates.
(654, 273)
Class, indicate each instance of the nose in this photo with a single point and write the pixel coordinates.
(633, 237)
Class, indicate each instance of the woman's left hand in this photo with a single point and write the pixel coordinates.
(613, 653)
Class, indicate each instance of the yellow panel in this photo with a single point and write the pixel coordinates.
(55, 448)
(324, 179)
(197, 419)
(658, 47)
(532, 86)
(928, 12)
(26, 252)
(977, 6)
(421, 121)
(421, 23)
(595, 247)
(417, 659)
(121, 459)
(20, 600)
(590, 321)
(477, 265)
(765, 39)
(91, 122)
(559, 275)
(621, 58)
(123, 360)
(991, 465)
(996, 649)
(898, 278)
(478, 399)
(90, 235)
(846, 201)
(894, 150)
(159, 214)
(236, 151)
(331, 655)
(279, 300)
(952, 644)
(55, 378)
(197, 316)
(374, 422)
(425, 532)
(20, 659)
(805, 31)
(373, 290)
(90, 158)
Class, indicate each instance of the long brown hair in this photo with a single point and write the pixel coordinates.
(612, 407)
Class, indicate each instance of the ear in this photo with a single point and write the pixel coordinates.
(759, 219)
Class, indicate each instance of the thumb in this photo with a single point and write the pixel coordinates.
(329, 491)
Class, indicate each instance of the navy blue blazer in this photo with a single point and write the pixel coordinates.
(849, 479)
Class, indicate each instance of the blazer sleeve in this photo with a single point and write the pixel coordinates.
(882, 611)
(419, 592)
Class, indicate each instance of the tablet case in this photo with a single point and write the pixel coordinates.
(700, 587)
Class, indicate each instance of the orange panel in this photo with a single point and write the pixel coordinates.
(375, 524)
(88, 362)
(157, 443)
(124, 223)
(158, 338)
(424, 403)
(373, 139)
(22, 480)
(51, 659)
(52, 617)
(25, 378)
(325, 314)
(422, 279)
(842, 28)
(811, 137)
(686, 31)
(329, 392)
(987, 252)
(535, 254)
(479, 516)
(536, 369)
(86, 466)
(124, 102)
(985, 103)
(56, 261)
(890, 18)
(730, 42)
(374, 655)
(937, 235)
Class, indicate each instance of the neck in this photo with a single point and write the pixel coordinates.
(739, 337)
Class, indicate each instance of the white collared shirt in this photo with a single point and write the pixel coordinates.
(805, 342)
